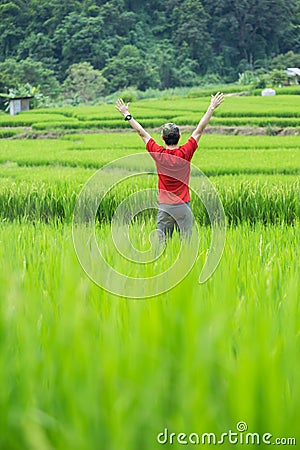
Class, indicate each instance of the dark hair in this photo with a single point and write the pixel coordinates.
(172, 138)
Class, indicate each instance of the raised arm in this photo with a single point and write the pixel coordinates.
(216, 100)
(124, 110)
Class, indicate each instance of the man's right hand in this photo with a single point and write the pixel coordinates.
(124, 110)
(121, 107)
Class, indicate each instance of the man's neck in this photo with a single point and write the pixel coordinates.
(171, 147)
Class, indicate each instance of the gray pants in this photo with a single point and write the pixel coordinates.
(174, 216)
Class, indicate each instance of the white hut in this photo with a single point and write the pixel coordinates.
(18, 104)
(293, 72)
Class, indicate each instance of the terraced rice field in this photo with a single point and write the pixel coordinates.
(279, 111)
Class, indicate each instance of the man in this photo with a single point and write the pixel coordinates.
(173, 168)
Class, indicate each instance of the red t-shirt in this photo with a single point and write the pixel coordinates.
(173, 169)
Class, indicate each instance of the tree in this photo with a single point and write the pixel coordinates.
(126, 69)
(47, 16)
(78, 39)
(14, 16)
(292, 30)
(13, 72)
(277, 77)
(40, 48)
(191, 23)
(83, 83)
(248, 29)
(283, 61)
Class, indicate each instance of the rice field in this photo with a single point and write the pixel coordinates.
(82, 368)
(278, 111)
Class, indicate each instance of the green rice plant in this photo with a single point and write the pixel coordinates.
(211, 90)
(162, 116)
(101, 110)
(84, 369)
(12, 172)
(217, 161)
(63, 110)
(241, 121)
(271, 113)
(94, 124)
(48, 197)
(283, 106)
(168, 109)
(257, 121)
(266, 200)
(63, 125)
(114, 141)
(4, 134)
(223, 142)
(158, 121)
(236, 111)
(24, 119)
(40, 180)
(256, 106)
(217, 154)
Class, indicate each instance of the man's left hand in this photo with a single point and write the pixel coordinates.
(121, 107)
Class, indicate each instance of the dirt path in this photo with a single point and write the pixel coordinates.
(243, 131)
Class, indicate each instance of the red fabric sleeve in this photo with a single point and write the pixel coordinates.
(152, 146)
(189, 148)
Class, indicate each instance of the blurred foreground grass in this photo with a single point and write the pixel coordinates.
(82, 369)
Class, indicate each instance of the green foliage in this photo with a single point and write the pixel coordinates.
(247, 78)
(21, 90)
(175, 43)
(189, 18)
(83, 84)
(248, 31)
(38, 47)
(283, 61)
(126, 69)
(277, 77)
(13, 72)
(79, 39)
(26, 90)
(129, 95)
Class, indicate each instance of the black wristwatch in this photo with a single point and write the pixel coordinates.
(128, 117)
